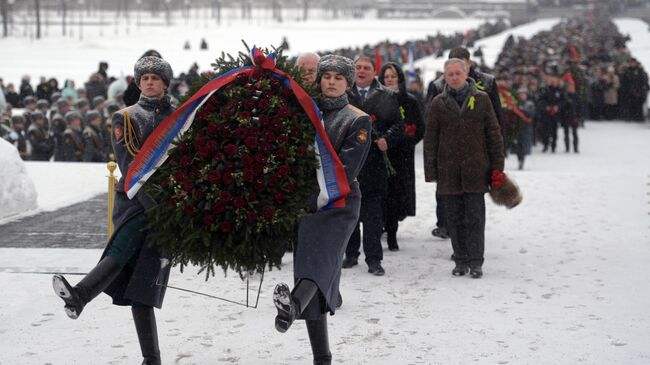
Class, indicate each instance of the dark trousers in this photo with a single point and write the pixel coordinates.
(371, 216)
(549, 134)
(465, 215)
(440, 212)
(574, 132)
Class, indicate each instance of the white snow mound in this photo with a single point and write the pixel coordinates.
(17, 191)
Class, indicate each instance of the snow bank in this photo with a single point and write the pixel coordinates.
(60, 184)
(17, 191)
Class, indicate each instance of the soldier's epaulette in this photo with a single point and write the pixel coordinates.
(356, 110)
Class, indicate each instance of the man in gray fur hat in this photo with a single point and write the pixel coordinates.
(72, 141)
(42, 145)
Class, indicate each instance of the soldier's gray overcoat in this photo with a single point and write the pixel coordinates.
(137, 281)
(323, 235)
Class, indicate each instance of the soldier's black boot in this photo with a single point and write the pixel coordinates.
(290, 305)
(98, 279)
(145, 325)
(319, 340)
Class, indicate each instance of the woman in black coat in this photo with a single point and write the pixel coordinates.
(131, 269)
(401, 186)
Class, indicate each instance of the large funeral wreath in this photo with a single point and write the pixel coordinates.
(234, 186)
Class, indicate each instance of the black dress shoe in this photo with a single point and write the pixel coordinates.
(376, 269)
(460, 270)
(440, 232)
(476, 272)
(348, 262)
(339, 301)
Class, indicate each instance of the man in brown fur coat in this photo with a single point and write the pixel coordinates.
(463, 154)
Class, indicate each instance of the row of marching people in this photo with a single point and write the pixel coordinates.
(69, 133)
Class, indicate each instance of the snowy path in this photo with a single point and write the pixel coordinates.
(565, 283)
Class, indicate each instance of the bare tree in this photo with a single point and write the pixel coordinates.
(5, 15)
(37, 3)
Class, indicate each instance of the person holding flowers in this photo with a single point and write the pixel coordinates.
(388, 128)
(323, 234)
(130, 269)
(464, 155)
(400, 202)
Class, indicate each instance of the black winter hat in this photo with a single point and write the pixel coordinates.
(152, 64)
(340, 64)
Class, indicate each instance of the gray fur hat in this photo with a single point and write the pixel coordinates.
(70, 116)
(152, 64)
(112, 106)
(42, 103)
(340, 64)
(83, 102)
(92, 115)
(37, 115)
(98, 100)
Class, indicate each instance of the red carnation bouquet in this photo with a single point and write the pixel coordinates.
(234, 186)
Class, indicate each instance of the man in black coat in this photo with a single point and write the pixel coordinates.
(483, 82)
(381, 104)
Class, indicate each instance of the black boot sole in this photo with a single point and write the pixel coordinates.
(64, 290)
(282, 302)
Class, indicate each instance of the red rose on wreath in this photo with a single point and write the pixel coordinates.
(186, 161)
(247, 161)
(230, 149)
(251, 217)
(219, 207)
(208, 219)
(268, 212)
(251, 142)
(238, 202)
(188, 186)
(373, 118)
(227, 178)
(214, 177)
(240, 133)
(226, 227)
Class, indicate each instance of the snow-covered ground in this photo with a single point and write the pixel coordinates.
(564, 283)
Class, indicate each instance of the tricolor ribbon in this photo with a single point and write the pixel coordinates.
(331, 175)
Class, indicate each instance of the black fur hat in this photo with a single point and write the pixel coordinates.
(152, 64)
(508, 195)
